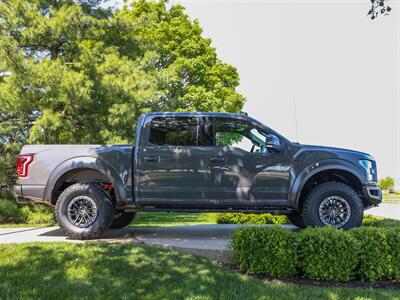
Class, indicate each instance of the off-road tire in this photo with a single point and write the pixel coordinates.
(122, 219)
(105, 211)
(310, 211)
(296, 219)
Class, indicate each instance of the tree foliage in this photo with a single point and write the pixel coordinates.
(386, 183)
(74, 72)
(379, 7)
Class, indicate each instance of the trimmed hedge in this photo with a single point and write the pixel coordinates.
(374, 261)
(393, 236)
(328, 254)
(257, 250)
(240, 218)
(365, 253)
(373, 221)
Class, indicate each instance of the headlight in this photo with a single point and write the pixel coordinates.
(367, 165)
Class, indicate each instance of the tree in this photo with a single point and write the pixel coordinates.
(386, 183)
(379, 7)
(74, 72)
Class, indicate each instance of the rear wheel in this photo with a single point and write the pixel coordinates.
(84, 211)
(122, 219)
(296, 219)
(335, 204)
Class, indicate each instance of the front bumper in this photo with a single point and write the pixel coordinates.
(372, 194)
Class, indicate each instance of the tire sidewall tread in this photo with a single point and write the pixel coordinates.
(311, 205)
(105, 211)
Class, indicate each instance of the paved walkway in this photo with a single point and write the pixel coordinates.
(385, 210)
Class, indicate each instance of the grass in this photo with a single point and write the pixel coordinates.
(173, 219)
(13, 225)
(151, 219)
(112, 271)
(391, 198)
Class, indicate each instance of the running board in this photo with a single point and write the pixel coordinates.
(271, 210)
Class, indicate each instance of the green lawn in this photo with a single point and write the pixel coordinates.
(173, 219)
(391, 198)
(12, 225)
(111, 271)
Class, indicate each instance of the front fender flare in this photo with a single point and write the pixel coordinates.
(315, 168)
(85, 162)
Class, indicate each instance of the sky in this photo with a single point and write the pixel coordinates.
(322, 64)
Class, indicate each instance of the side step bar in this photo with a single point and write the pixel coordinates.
(271, 210)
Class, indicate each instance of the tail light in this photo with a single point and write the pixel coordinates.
(23, 164)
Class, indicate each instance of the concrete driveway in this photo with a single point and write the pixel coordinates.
(386, 210)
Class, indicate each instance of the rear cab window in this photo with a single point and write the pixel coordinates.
(174, 131)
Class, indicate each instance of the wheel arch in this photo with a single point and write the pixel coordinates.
(81, 168)
(327, 170)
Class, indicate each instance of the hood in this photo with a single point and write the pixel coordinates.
(336, 152)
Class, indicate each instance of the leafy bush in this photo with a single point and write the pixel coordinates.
(393, 236)
(374, 261)
(366, 253)
(372, 221)
(265, 250)
(9, 212)
(328, 254)
(239, 218)
(12, 213)
(38, 214)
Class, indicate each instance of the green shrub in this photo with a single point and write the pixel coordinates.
(9, 212)
(374, 260)
(265, 250)
(38, 214)
(328, 254)
(393, 237)
(372, 221)
(239, 218)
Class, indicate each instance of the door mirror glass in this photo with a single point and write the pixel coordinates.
(272, 143)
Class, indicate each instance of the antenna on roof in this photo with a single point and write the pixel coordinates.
(295, 116)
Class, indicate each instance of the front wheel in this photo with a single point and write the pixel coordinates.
(335, 204)
(84, 211)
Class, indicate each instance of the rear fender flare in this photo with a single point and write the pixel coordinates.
(85, 163)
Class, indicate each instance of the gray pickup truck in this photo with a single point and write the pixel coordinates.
(197, 162)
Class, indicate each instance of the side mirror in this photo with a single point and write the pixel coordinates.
(273, 143)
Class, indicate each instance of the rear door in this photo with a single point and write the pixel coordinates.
(173, 167)
(244, 171)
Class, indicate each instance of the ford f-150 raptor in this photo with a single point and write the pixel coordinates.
(197, 162)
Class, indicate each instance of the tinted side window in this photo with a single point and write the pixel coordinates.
(174, 131)
(240, 134)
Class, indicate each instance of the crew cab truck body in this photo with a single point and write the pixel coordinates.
(195, 162)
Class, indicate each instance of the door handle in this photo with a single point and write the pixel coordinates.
(217, 159)
(151, 158)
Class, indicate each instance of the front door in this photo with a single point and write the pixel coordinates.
(245, 172)
(173, 165)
